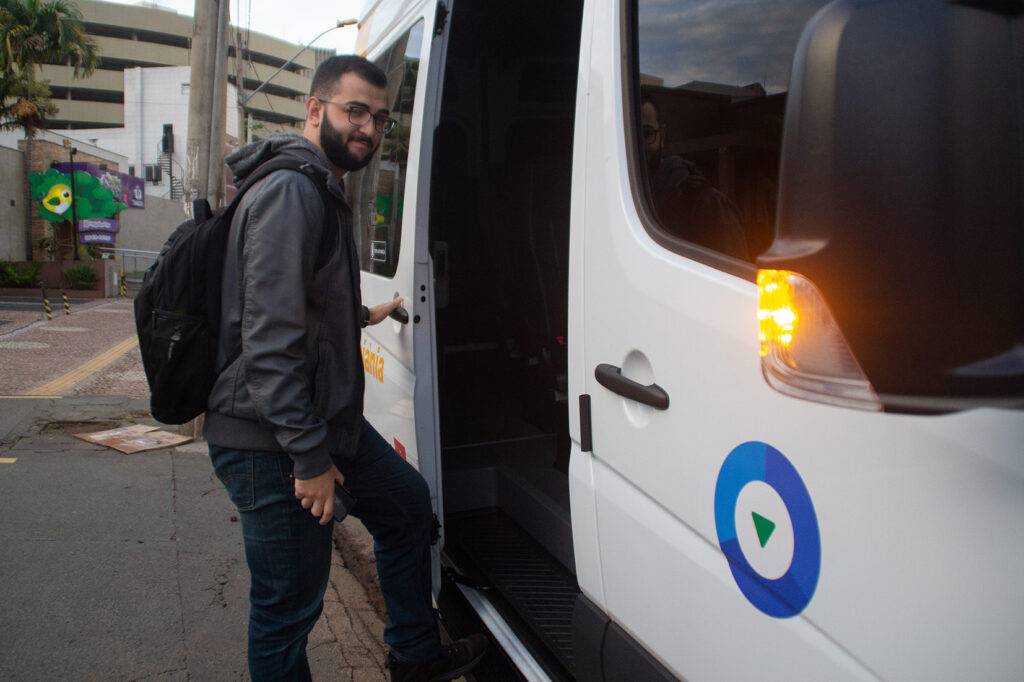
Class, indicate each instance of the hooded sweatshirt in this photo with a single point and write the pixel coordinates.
(291, 300)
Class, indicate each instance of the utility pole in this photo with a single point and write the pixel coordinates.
(240, 85)
(200, 113)
(215, 185)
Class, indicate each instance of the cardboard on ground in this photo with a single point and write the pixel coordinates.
(136, 438)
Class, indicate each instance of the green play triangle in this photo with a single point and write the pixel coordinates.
(764, 527)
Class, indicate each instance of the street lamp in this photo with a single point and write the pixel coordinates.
(74, 202)
(243, 101)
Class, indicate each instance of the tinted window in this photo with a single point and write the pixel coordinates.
(377, 190)
(708, 104)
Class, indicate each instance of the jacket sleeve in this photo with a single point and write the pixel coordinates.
(283, 229)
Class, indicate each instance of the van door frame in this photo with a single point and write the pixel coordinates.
(425, 397)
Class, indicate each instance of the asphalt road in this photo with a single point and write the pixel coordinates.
(35, 303)
(129, 567)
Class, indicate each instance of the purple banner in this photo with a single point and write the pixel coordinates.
(127, 189)
(98, 225)
(84, 166)
(119, 186)
(97, 237)
(133, 189)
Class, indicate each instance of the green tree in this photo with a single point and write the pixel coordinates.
(27, 105)
(36, 32)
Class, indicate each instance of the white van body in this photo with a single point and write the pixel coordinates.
(907, 526)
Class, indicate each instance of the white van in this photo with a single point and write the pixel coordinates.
(715, 358)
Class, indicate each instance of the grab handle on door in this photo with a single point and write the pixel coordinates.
(611, 378)
(400, 314)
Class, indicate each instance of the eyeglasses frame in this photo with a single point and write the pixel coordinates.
(382, 124)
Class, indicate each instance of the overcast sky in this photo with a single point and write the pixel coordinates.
(734, 43)
(297, 21)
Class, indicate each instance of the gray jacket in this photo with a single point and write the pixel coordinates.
(291, 299)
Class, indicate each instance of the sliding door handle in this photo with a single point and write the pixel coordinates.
(611, 378)
(399, 314)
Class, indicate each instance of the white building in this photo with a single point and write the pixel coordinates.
(155, 98)
(141, 85)
(146, 35)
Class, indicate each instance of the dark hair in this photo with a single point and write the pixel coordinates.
(330, 71)
(647, 96)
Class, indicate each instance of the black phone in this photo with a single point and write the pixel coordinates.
(343, 502)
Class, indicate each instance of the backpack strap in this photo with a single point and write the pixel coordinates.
(287, 163)
(276, 164)
(201, 210)
(330, 212)
(329, 201)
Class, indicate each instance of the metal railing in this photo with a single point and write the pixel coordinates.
(133, 264)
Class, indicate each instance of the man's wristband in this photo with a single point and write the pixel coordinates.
(364, 317)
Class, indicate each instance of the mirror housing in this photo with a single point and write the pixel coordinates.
(902, 194)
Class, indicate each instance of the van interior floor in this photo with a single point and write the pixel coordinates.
(532, 582)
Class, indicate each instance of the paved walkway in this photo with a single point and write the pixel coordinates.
(130, 567)
(98, 337)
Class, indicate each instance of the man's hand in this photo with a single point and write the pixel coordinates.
(317, 494)
(379, 312)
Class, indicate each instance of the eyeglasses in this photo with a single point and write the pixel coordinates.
(358, 116)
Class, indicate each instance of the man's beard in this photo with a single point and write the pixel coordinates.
(335, 148)
(653, 161)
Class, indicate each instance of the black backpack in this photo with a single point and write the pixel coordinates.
(177, 310)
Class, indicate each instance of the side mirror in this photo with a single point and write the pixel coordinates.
(902, 195)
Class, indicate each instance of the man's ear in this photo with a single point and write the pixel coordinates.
(314, 110)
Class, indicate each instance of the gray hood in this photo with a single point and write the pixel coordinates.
(244, 160)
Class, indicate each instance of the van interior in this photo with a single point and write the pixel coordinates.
(499, 233)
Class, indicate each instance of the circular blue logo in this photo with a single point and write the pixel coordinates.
(752, 476)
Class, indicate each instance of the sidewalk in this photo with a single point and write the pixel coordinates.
(35, 351)
(130, 567)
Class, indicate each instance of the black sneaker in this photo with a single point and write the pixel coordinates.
(455, 660)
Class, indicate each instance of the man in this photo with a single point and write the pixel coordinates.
(285, 422)
(686, 204)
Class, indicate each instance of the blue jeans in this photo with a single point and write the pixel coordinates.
(289, 552)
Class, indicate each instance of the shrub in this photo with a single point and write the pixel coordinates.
(81, 276)
(19, 276)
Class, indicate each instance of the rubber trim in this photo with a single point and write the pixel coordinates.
(604, 652)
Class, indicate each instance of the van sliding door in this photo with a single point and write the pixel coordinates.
(390, 202)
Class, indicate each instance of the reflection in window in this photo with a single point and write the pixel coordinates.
(377, 190)
(712, 82)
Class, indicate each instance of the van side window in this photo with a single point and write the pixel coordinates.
(376, 192)
(710, 81)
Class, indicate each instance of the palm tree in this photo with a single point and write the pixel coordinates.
(28, 104)
(37, 32)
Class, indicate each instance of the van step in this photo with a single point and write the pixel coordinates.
(531, 580)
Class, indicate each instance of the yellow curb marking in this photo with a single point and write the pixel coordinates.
(86, 370)
(29, 397)
(8, 460)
